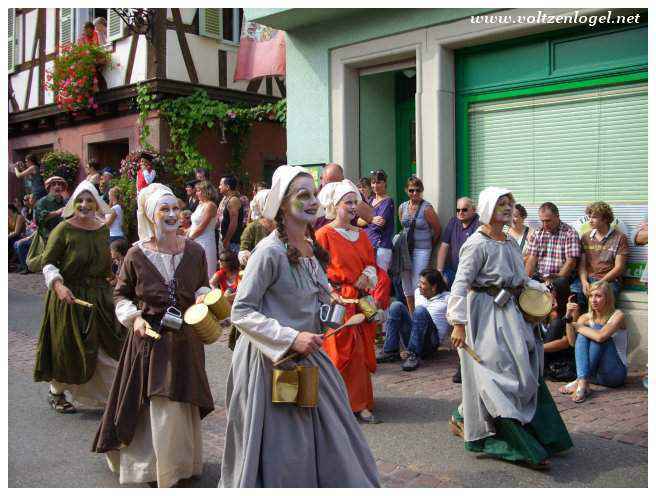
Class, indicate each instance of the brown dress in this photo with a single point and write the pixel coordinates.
(174, 366)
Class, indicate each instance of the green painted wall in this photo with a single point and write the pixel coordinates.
(308, 68)
(551, 57)
(377, 126)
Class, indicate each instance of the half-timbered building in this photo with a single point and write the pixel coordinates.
(188, 49)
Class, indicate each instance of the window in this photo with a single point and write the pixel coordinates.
(232, 22)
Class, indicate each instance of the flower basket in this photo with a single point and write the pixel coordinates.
(61, 163)
(75, 74)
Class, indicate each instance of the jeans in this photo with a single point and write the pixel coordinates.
(577, 288)
(416, 332)
(599, 362)
(22, 247)
(115, 238)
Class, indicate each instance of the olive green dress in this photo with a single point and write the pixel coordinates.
(71, 335)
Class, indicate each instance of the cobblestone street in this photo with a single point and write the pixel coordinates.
(616, 418)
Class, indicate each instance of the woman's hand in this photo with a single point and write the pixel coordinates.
(63, 293)
(458, 336)
(362, 282)
(139, 327)
(585, 287)
(307, 342)
(378, 220)
(572, 307)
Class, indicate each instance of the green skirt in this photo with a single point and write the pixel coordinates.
(534, 442)
(71, 335)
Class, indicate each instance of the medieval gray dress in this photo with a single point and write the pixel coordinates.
(505, 383)
(282, 445)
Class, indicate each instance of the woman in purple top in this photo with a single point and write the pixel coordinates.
(381, 229)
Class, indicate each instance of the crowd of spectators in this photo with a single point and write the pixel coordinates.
(421, 259)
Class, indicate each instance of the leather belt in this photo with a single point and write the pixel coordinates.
(493, 291)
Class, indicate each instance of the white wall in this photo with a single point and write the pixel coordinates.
(30, 33)
(50, 30)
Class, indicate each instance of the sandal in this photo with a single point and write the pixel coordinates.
(580, 395)
(568, 388)
(457, 428)
(367, 419)
(59, 403)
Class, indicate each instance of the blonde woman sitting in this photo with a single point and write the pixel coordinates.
(601, 342)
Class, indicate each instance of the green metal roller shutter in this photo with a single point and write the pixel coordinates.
(569, 148)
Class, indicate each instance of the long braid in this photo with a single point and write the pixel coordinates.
(293, 254)
(322, 255)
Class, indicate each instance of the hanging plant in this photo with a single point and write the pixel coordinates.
(74, 77)
(61, 163)
(187, 117)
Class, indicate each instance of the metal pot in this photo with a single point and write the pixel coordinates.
(332, 315)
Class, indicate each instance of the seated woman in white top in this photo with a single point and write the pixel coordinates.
(601, 343)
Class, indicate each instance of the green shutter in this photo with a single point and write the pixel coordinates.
(11, 54)
(66, 26)
(115, 26)
(210, 22)
(569, 148)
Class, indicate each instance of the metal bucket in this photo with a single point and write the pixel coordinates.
(284, 386)
(203, 322)
(332, 315)
(308, 386)
(218, 304)
(368, 307)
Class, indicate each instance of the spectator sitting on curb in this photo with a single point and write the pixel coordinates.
(601, 343)
(605, 251)
(425, 329)
(554, 249)
(559, 363)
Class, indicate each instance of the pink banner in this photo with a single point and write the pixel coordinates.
(261, 52)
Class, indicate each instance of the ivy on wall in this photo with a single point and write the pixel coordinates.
(187, 117)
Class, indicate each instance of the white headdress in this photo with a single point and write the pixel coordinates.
(85, 185)
(282, 177)
(146, 205)
(487, 200)
(257, 205)
(331, 194)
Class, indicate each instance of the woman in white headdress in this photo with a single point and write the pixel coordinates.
(78, 346)
(257, 230)
(277, 311)
(352, 270)
(507, 410)
(151, 426)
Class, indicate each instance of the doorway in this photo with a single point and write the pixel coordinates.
(109, 153)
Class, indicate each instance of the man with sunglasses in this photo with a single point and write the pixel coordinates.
(455, 234)
(459, 228)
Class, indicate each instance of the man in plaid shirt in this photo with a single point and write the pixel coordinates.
(554, 249)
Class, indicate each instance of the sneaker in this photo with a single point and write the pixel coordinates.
(411, 363)
(457, 378)
(24, 270)
(387, 357)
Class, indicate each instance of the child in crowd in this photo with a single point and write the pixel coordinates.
(117, 249)
(185, 222)
(227, 277)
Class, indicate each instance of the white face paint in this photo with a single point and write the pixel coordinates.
(303, 202)
(85, 206)
(503, 210)
(347, 207)
(167, 216)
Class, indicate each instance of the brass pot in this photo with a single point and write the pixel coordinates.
(367, 306)
(203, 323)
(284, 386)
(218, 303)
(308, 386)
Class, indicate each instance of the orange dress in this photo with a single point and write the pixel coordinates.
(352, 350)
